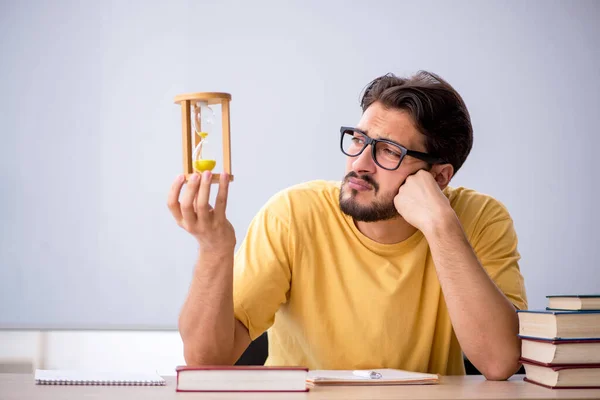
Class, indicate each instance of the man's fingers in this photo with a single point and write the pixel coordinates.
(411, 175)
(187, 202)
(202, 205)
(173, 198)
(221, 201)
(196, 204)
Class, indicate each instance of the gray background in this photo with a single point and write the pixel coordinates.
(91, 138)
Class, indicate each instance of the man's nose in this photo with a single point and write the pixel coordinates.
(364, 162)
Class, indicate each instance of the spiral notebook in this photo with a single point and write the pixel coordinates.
(66, 377)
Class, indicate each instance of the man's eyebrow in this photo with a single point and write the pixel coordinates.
(387, 137)
(384, 136)
(366, 132)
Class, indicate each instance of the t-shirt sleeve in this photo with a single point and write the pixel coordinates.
(262, 270)
(496, 246)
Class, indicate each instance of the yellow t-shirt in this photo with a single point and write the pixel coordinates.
(331, 298)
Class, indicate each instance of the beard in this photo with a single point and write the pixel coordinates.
(379, 210)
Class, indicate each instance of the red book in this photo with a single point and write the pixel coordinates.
(564, 376)
(219, 378)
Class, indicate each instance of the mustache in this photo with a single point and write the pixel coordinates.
(366, 178)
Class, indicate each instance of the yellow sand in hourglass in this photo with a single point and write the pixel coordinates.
(201, 164)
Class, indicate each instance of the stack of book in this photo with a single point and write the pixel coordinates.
(561, 344)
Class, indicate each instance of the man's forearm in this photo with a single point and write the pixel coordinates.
(206, 322)
(484, 320)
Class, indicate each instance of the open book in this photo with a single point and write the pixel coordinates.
(370, 377)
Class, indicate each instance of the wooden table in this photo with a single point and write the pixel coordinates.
(22, 387)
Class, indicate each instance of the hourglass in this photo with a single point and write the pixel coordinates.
(200, 133)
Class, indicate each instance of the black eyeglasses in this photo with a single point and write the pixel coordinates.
(387, 154)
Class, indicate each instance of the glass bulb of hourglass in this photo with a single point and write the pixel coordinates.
(208, 119)
(203, 119)
(202, 159)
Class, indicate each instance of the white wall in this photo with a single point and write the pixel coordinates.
(91, 137)
(119, 351)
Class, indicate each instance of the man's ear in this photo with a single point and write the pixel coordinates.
(442, 173)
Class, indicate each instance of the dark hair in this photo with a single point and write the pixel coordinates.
(438, 111)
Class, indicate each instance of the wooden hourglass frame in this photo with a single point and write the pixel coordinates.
(187, 102)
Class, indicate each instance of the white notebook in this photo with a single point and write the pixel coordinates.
(67, 377)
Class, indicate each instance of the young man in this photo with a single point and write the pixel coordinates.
(390, 268)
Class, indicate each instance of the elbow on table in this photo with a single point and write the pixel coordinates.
(500, 371)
